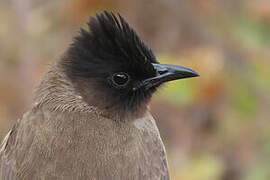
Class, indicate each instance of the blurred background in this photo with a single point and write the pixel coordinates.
(215, 127)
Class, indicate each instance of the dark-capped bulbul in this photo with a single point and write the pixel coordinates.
(90, 118)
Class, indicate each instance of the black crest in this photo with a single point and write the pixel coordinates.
(109, 41)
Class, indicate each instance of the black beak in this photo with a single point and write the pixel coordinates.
(167, 72)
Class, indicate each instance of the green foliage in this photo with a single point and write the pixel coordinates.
(244, 100)
(179, 93)
(202, 167)
(261, 74)
(259, 171)
(251, 31)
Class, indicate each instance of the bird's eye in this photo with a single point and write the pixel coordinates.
(120, 79)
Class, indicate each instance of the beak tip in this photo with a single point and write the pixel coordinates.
(195, 74)
(192, 73)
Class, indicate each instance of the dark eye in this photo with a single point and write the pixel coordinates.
(120, 79)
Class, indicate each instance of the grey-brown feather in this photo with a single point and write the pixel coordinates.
(62, 137)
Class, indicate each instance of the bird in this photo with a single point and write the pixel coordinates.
(90, 116)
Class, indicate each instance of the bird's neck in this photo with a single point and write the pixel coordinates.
(57, 93)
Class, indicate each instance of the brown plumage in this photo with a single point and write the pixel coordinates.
(74, 129)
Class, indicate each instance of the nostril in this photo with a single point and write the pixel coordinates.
(162, 71)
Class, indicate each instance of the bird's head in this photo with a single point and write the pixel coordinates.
(114, 70)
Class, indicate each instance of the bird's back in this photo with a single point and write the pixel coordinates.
(48, 144)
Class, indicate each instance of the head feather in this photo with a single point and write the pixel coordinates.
(109, 46)
(109, 40)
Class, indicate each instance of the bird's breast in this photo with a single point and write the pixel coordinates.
(65, 145)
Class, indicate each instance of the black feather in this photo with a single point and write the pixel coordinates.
(109, 46)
